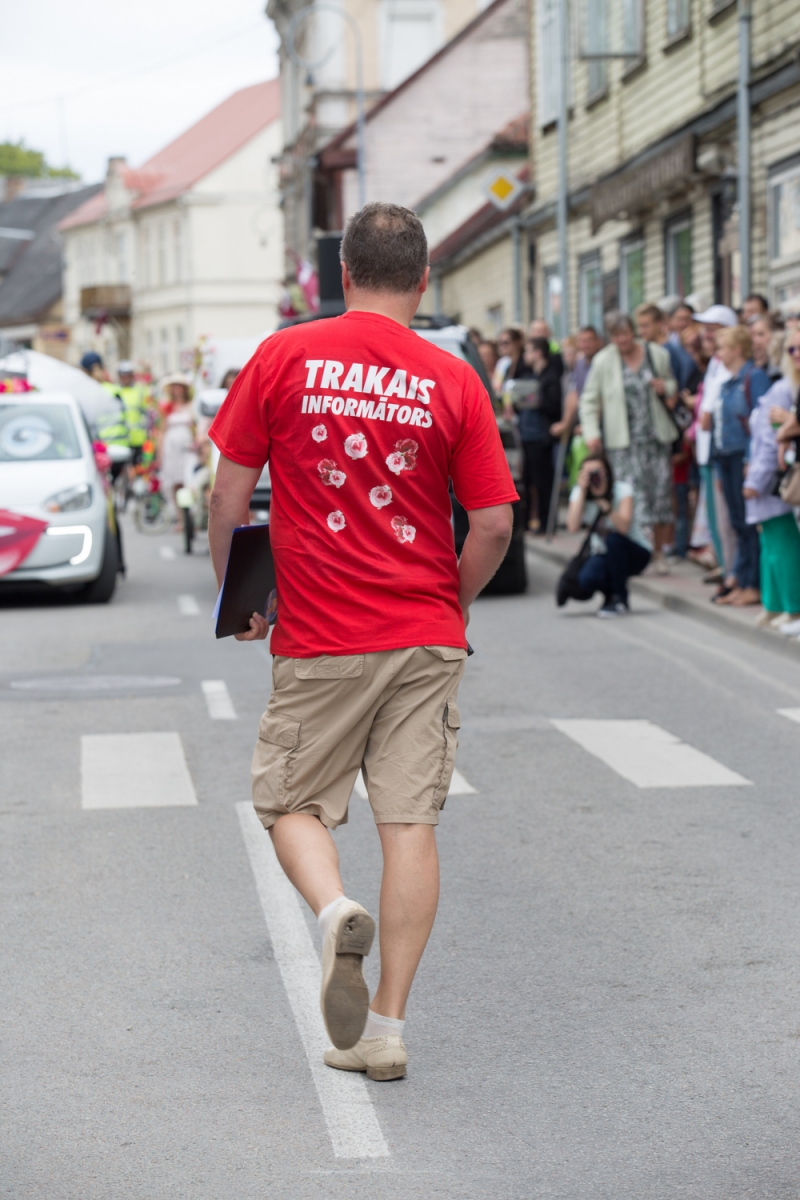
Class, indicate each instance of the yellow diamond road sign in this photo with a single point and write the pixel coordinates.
(502, 189)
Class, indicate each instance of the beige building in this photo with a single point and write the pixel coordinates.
(396, 37)
(652, 154)
(189, 245)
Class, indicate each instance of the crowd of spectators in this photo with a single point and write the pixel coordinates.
(681, 430)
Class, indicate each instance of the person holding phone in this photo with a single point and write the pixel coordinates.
(620, 546)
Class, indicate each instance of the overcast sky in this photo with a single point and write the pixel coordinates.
(84, 80)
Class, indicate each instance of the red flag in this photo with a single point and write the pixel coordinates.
(18, 536)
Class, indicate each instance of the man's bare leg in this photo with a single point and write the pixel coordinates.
(309, 858)
(409, 896)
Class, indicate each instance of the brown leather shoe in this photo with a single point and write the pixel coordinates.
(745, 597)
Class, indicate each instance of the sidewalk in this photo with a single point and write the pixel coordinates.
(682, 591)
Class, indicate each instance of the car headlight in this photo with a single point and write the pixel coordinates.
(71, 499)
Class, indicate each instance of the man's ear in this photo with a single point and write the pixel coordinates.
(423, 284)
(347, 282)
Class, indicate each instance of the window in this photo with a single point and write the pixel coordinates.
(147, 278)
(677, 18)
(590, 291)
(597, 43)
(148, 341)
(631, 275)
(552, 301)
(163, 276)
(122, 258)
(678, 256)
(494, 319)
(177, 244)
(411, 31)
(549, 60)
(785, 214)
(164, 351)
(632, 29)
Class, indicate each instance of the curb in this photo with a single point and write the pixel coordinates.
(711, 616)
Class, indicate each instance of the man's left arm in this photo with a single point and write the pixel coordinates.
(229, 507)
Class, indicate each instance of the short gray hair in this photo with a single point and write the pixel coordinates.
(616, 321)
(385, 249)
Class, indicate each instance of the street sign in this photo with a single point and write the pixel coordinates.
(502, 189)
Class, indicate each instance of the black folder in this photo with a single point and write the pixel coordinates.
(249, 580)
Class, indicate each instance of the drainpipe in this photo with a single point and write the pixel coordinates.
(743, 142)
(561, 207)
(516, 246)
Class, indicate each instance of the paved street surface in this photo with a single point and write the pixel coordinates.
(610, 1004)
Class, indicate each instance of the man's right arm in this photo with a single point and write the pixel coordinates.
(484, 550)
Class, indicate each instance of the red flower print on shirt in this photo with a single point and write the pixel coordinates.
(404, 456)
(381, 496)
(356, 445)
(404, 531)
(336, 521)
(330, 474)
(319, 433)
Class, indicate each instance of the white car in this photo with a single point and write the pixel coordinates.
(48, 472)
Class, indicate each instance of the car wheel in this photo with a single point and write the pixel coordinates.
(101, 589)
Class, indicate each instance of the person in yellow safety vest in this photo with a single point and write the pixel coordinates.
(111, 426)
(139, 409)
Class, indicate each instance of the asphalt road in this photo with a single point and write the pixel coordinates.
(610, 1003)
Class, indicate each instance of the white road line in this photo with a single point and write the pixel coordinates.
(166, 552)
(346, 1105)
(647, 755)
(218, 700)
(458, 786)
(134, 770)
(188, 606)
(792, 713)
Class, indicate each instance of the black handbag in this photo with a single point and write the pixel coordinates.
(568, 587)
(681, 415)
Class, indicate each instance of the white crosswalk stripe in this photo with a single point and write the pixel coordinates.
(647, 755)
(792, 713)
(166, 552)
(134, 770)
(218, 700)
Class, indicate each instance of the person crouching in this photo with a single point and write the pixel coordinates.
(620, 547)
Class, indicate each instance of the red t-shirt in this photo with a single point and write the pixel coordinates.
(363, 423)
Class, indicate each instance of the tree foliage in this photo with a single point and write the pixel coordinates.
(17, 159)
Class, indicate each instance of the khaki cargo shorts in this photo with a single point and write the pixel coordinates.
(391, 714)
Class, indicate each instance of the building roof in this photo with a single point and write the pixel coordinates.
(331, 154)
(478, 225)
(31, 266)
(195, 154)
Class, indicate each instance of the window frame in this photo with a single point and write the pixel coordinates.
(676, 32)
(675, 224)
(591, 261)
(630, 245)
(552, 273)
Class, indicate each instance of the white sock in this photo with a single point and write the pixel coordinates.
(324, 918)
(378, 1026)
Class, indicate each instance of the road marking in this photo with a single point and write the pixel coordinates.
(647, 755)
(349, 1114)
(792, 713)
(218, 700)
(458, 786)
(166, 552)
(134, 770)
(188, 606)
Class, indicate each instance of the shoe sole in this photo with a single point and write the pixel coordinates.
(345, 999)
(383, 1074)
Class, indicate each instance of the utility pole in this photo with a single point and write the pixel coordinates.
(562, 215)
(743, 143)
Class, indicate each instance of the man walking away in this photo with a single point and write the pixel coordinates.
(363, 423)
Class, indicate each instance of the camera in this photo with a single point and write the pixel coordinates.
(595, 480)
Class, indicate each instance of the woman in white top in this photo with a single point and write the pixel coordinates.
(621, 548)
(177, 450)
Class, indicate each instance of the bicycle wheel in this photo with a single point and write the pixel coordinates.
(152, 514)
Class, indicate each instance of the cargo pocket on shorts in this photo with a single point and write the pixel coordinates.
(329, 666)
(447, 653)
(278, 738)
(451, 723)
